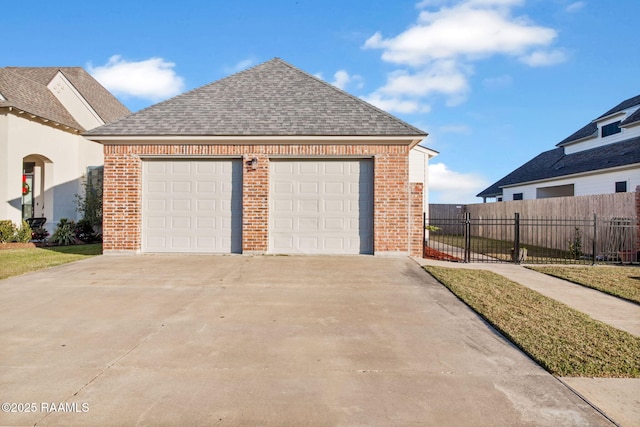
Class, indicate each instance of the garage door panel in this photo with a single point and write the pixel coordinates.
(308, 188)
(180, 168)
(321, 206)
(309, 168)
(309, 206)
(157, 222)
(310, 224)
(336, 206)
(192, 206)
(205, 187)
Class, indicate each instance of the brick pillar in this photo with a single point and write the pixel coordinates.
(391, 203)
(416, 231)
(121, 201)
(255, 204)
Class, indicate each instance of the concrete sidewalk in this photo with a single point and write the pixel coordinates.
(618, 398)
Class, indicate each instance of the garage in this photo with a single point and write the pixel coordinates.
(321, 206)
(271, 160)
(192, 205)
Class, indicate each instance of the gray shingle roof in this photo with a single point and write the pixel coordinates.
(554, 163)
(592, 128)
(25, 88)
(273, 98)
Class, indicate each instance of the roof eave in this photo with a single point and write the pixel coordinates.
(609, 116)
(573, 175)
(575, 141)
(410, 140)
(21, 112)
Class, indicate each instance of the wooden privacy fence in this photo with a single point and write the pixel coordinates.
(604, 205)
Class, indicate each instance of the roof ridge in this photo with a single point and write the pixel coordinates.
(337, 89)
(627, 103)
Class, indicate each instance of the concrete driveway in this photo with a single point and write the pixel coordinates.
(240, 340)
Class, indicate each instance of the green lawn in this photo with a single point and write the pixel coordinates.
(14, 262)
(564, 341)
(623, 282)
(501, 249)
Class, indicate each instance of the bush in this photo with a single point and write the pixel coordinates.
(10, 233)
(7, 231)
(65, 233)
(84, 231)
(90, 204)
(23, 234)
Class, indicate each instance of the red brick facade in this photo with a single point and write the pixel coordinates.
(397, 203)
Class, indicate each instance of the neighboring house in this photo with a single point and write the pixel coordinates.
(268, 160)
(43, 155)
(603, 157)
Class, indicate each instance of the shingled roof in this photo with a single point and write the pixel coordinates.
(270, 99)
(554, 163)
(25, 88)
(591, 129)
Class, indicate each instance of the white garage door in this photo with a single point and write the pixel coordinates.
(321, 206)
(192, 206)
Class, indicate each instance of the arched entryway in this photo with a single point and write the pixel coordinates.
(37, 179)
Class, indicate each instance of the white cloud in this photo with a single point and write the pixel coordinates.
(342, 79)
(574, 7)
(476, 28)
(452, 186)
(397, 104)
(437, 53)
(441, 76)
(404, 88)
(542, 58)
(153, 79)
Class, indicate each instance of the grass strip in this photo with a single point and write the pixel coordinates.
(14, 262)
(622, 282)
(564, 341)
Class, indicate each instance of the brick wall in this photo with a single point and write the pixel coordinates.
(396, 204)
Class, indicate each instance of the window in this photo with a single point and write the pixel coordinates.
(566, 190)
(621, 187)
(517, 196)
(611, 129)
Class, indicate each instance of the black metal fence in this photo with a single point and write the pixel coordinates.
(532, 240)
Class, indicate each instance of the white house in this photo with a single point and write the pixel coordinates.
(43, 156)
(602, 157)
(419, 170)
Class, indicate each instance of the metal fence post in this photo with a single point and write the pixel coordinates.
(424, 232)
(516, 239)
(467, 237)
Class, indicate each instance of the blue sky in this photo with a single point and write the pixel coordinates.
(493, 82)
